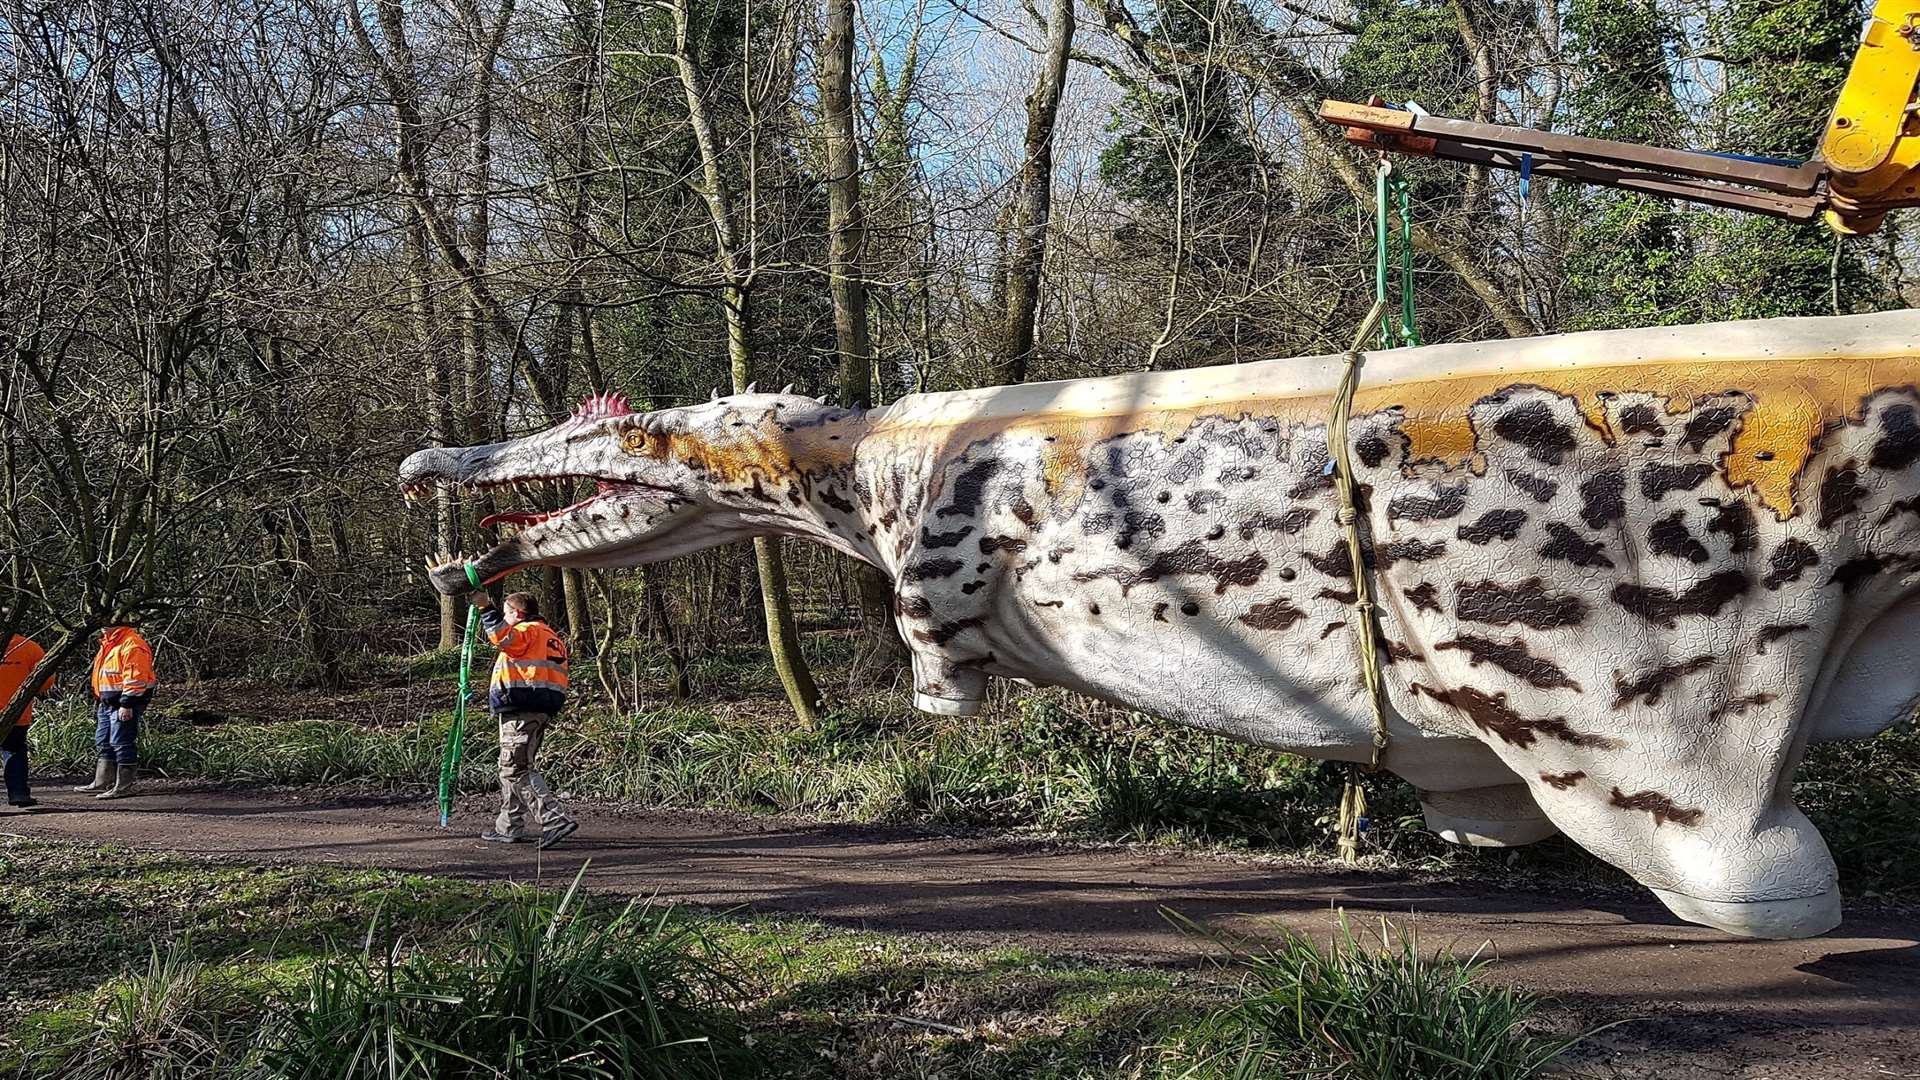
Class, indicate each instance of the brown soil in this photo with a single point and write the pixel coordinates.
(1702, 1004)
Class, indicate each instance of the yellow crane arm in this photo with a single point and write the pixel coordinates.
(1872, 142)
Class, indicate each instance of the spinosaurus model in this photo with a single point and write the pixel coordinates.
(1624, 578)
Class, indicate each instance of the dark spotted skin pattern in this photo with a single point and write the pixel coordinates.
(1580, 594)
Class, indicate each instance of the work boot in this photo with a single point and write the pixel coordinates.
(558, 833)
(122, 784)
(102, 777)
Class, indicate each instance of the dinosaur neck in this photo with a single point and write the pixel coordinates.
(826, 491)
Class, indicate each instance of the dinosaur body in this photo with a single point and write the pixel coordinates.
(1624, 578)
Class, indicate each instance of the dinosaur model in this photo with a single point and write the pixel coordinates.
(1624, 578)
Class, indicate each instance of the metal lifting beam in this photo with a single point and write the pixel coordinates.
(1761, 187)
(1869, 162)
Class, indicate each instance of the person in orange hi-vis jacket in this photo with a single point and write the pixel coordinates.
(123, 684)
(528, 689)
(16, 667)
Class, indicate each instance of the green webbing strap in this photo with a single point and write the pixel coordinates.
(1353, 800)
(457, 732)
(1389, 190)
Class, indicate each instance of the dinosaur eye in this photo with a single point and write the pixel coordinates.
(634, 442)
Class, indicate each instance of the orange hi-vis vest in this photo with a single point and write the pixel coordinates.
(124, 665)
(23, 655)
(532, 657)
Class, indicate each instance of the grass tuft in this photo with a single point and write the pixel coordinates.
(177, 1020)
(533, 988)
(537, 991)
(1367, 1011)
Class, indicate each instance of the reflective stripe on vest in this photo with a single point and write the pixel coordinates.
(533, 657)
(123, 664)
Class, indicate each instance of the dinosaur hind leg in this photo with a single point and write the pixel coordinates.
(946, 688)
(1500, 816)
(1747, 863)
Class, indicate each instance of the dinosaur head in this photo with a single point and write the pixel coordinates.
(665, 482)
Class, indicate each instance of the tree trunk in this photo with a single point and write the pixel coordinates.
(736, 264)
(64, 647)
(846, 249)
(579, 608)
(580, 87)
(1473, 199)
(446, 526)
(1034, 205)
(846, 218)
(776, 603)
(316, 602)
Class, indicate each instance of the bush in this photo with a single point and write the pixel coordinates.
(1865, 797)
(1042, 759)
(1049, 761)
(1358, 1012)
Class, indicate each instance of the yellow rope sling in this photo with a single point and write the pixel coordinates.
(1353, 800)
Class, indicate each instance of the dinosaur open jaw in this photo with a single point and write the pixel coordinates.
(605, 491)
(420, 489)
(527, 519)
(616, 517)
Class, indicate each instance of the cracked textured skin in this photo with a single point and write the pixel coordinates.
(1624, 577)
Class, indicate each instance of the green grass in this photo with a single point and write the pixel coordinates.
(537, 989)
(127, 964)
(1043, 763)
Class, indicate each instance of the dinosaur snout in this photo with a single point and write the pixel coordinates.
(451, 465)
(434, 463)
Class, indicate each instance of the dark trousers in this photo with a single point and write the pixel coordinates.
(13, 761)
(113, 737)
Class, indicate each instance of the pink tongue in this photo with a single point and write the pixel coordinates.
(523, 518)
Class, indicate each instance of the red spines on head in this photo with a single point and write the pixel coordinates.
(602, 407)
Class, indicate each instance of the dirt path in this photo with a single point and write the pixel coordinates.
(1846, 1005)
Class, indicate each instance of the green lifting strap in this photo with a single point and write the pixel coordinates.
(1390, 190)
(457, 732)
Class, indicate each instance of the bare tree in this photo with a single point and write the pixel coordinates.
(736, 256)
(846, 270)
(1033, 202)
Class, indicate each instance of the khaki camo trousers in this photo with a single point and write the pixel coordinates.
(525, 798)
